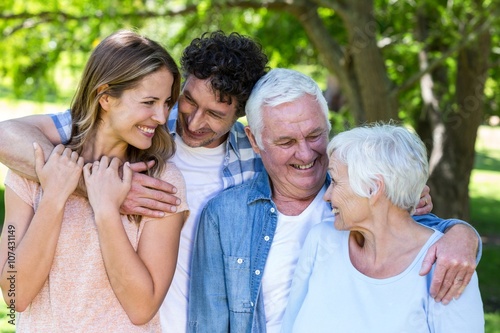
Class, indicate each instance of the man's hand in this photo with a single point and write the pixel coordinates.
(425, 203)
(149, 196)
(456, 261)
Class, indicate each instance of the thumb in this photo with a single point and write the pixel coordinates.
(142, 166)
(39, 157)
(429, 259)
(127, 173)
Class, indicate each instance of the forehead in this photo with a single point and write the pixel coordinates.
(202, 92)
(294, 119)
(336, 166)
(156, 84)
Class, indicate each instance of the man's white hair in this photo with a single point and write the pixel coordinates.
(280, 86)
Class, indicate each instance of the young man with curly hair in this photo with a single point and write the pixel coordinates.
(213, 152)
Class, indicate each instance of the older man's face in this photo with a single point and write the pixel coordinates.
(294, 139)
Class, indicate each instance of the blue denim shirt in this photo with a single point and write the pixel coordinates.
(234, 237)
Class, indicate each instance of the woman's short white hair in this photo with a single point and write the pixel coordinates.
(277, 87)
(383, 151)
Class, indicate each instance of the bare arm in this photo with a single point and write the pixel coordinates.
(140, 280)
(32, 245)
(148, 196)
(19, 134)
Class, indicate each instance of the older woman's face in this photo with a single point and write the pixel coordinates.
(347, 207)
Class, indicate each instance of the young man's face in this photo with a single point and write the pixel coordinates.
(203, 121)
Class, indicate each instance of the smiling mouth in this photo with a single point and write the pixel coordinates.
(303, 166)
(147, 130)
(335, 211)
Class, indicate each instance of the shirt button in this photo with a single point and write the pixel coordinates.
(272, 210)
(239, 261)
(257, 272)
(266, 238)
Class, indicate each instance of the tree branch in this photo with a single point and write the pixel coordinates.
(32, 19)
(414, 79)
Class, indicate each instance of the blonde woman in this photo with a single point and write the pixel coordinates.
(79, 265)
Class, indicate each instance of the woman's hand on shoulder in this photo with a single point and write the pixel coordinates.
(107, 187)
(60, 174)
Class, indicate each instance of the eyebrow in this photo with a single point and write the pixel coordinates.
(219, 113)
(317, 130)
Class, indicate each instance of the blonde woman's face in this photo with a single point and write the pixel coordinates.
(133, 118)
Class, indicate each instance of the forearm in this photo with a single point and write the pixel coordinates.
(437, 223)
(129, 277)
(34, 253)
(17, 150)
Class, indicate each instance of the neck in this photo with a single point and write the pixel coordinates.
(293, 205)
(388, 244)
(101, 145)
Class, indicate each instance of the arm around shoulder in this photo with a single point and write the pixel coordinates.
(19, 134)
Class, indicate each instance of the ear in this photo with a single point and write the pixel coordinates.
(105, 99)
(251, 137)
(376, 194)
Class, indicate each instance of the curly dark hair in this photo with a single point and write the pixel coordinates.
(233, 63)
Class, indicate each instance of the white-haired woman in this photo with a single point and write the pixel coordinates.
(361, 273)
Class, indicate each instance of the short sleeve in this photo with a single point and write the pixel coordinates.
(62, 121)
(172, 175)
(25, 189)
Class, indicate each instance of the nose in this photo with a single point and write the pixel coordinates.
(160, 114)
(328, 194)
(195, 120)
(304, 151)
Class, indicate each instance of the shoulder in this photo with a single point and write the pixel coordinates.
(324, 229)
(171, 174)
(238, 128)
(26, 189)
(324, 237)
(237, 194)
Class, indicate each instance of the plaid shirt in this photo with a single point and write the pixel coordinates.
(240, 162)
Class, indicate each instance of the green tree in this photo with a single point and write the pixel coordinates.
(425, 62)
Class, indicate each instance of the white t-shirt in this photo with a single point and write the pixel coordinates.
(202, 171)
(291, 232)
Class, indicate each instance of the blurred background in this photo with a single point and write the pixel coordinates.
(432, 64)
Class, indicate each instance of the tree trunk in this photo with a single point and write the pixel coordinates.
(453, 159)
(369, 67)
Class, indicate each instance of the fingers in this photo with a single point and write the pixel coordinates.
(429, 259)
(39, 157)
(424, 205)
(454, 283)
(156, 184)
(127, 173)
(146, 207)
(437, 282)
(142, 166)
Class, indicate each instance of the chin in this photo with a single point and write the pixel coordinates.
(338, 224)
